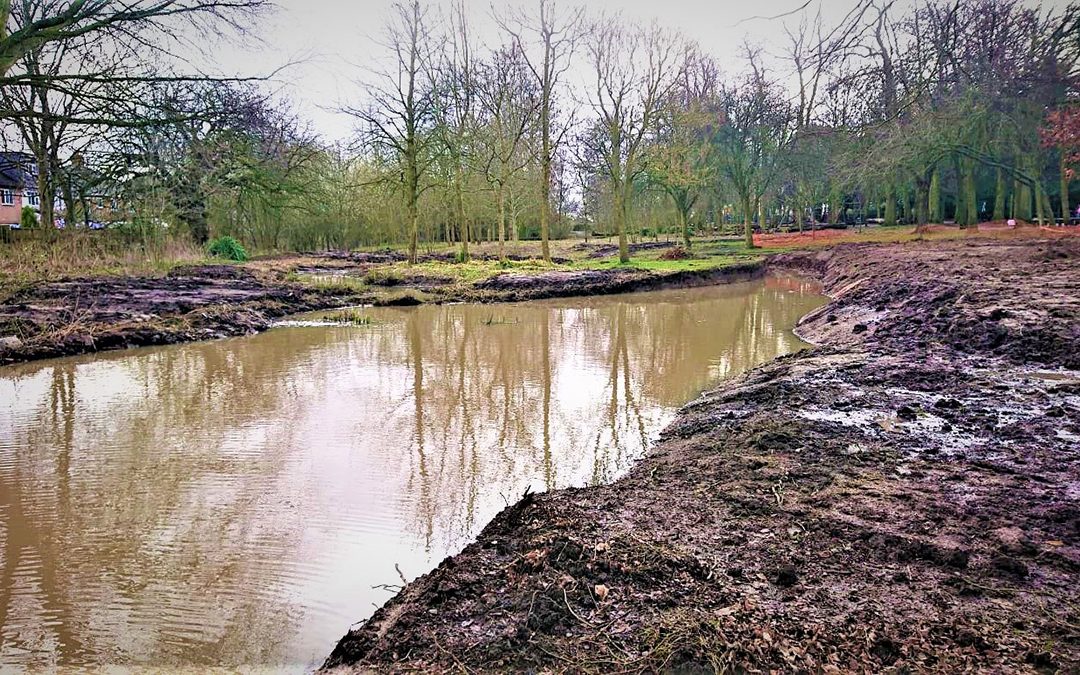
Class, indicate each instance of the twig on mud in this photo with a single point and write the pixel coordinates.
(559, 657)
(1054, 618)
(1001, 590)
(575, 614)
(778, 492)
(404, 581)
(457, 662)
(1073, 629)
(528, 614)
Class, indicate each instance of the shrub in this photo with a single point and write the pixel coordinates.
(28, 219)
(228, 248)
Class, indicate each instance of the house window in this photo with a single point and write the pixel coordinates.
(32, 199)
(7, 197)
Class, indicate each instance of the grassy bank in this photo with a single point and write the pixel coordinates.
(35, 257)
(80, 292)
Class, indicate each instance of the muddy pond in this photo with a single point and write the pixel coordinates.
(242, 502)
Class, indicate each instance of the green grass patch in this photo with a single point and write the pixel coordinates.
(350, 316)
(716, 257)
(460, 272)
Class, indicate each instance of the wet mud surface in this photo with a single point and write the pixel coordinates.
(515, 286)
(905, 497)
(611, 250)
(191, 303)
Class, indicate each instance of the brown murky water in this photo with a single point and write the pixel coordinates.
(245, 501)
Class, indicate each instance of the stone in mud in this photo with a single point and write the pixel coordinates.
(1010, 565)
(860, 328)
(1012, 540)
(948, 404)
(10, 342)
(907, 413)
(786, 576)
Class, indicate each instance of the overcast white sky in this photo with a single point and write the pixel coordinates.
(334, 39)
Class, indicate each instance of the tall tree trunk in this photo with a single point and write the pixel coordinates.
(922, 201)
(1023, 195)
(412, 196)
(971, 197)
(1041, 204)
(684, 224)
(46, 188)
(934, 198)
(748, 222)
(545, 185)
(1064, 171)
(515, 236)
(459, 205)
(412, 211)
(999, 196)
(961, 213)
(501, 203)
(890, 207)
(620, 224)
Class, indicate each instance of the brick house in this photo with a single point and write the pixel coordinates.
(18, 187)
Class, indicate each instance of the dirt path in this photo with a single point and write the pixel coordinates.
(904, 497)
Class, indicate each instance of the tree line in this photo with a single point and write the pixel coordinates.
(962, 110)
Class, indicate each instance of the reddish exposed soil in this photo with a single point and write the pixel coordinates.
(905, 497)
(831, 237)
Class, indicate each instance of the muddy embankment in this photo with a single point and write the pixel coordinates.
(905, 497)
(74, 316)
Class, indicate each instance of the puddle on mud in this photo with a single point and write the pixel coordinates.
(243, 501)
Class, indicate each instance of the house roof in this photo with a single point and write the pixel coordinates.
(16, 170)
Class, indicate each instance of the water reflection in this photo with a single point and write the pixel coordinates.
(239, 502)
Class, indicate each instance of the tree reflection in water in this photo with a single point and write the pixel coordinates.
(236, 502)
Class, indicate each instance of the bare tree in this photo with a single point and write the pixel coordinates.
(399, 122)
(677, 158)
(509, 100)
(63, 20)
(547, 40)
(634, 70)
(751, 142)
(456, 114)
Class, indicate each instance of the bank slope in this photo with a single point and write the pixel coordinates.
(906, 496)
